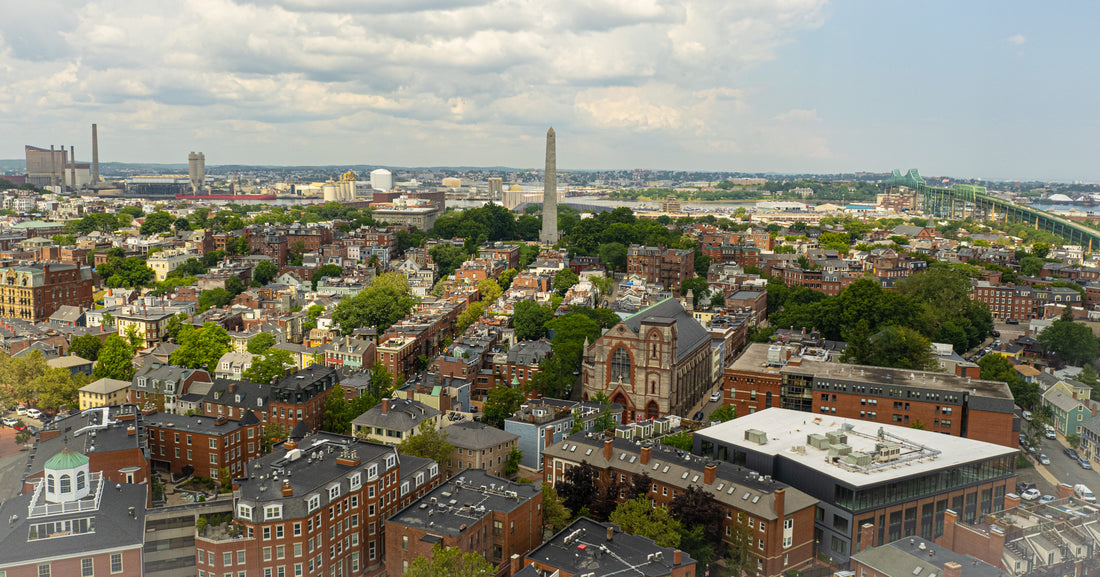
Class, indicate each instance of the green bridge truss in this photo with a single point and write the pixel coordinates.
(963, 200)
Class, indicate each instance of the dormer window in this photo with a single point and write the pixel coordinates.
(372, 472)
(334, 492)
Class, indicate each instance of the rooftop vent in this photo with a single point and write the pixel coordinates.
(756, 436)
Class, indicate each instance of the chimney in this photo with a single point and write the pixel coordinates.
(516, 563)
(1064, 490)
(677, 557)
(607, 444)
(385, 406)
(286, 488)
(95, 156)
(233, 387)
(410, 394)
(288, 444)
(548, 437)
(610, 532)
(1012, 501)
(711, 471)
(779, 500)
(72, 164)
(996, 543)
(131, 431)
(647, 452)
(952, 569)
(866, 536)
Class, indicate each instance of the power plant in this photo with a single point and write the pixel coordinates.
(196, 170)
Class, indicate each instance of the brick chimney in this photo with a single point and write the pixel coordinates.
(677, 557)
(779, 502)
(952, 569)
(410, 394)
(607, 445)
(1012, 501)
(647, 452)
(950, 518)
(709, 473)
(548, 437)
(288, 444)
(516, 563)
(1064, 490)
(385, 406)
(286, 488)
(996, 543)
(866, 536)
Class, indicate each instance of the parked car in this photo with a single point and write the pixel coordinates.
(34, 413)
(1084, 463)
(9, 422)
(1027, 415)
(716, 396)
(698, 416)
(21, 410)
(1021, 487)
(995, 333)
(19, 427)
(1071, 454)
(1050, 433)
(1046, 499)
(1012, 322)
(1044, 460)
(1031, 495)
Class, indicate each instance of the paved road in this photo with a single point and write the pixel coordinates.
(1061, 469)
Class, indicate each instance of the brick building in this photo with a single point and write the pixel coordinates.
(478, 446)
(160, 387)
(655, 363)
(586, 545)
(669, 267)
(203, 445)
(34, 292)
(315, 506)
(903, 480)
(778, 517)
(475, 512)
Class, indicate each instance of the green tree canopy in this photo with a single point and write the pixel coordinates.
(379, 305)
(1073, 342)
(450, 562)
(503, 402)
(329, 270)
(258, 344)
(86, 347)
(555, 516)
(116, 360)
(201, 348)
(564, 279)
(447, 257)
(638, 517)
(156, 223)
(215, 297)
(269, 366)
(529, 319)
(265, 272)
(429, 442)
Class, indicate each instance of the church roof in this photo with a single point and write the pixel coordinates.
(689, 333)
(66, 459)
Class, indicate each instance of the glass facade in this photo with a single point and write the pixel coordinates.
(925, 485)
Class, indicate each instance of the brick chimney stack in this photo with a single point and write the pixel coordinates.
(385, 406)
(287, 490)
(516, 563)
(677, 557)
(952, 569)
(710, 472)
(779, 501)
(607, 446)
(647, 452)
(866, 536)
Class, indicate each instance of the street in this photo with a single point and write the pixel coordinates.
(1061, 468)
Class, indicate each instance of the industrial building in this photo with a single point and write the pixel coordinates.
(901, 480)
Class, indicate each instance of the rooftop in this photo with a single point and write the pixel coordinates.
(787, 433)
(583, 548)
(467, 498)
(105, 386)
(200, 424)
(910, 556)
(473, 435)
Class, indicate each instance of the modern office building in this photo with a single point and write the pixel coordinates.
(901, 479)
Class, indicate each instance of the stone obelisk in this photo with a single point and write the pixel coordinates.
(550, 192)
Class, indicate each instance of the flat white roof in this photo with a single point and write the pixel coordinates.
(787, 432)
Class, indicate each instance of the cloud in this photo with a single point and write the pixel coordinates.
(1017, 39)
(373, 81)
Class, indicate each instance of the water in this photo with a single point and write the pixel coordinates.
(725, 206)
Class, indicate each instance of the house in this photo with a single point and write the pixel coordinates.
(393, 420)
(478, 446)
(73, 363)
(233, 364)
(1067, 412)
(595, 549)
(161, 386)
(104, 393)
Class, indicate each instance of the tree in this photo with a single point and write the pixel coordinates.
(698, 287)
(605, 420)
(116, 360)
(450, 562)
(638, 517)
(529, 319)
(997, 367)
(108, 320)
(329, 270)
(564, 279)
(505, 279)
(1072, 342)
(273, 433)
(502, 402)
(613, 255)
(216, 297)
(512, 461)
(265, 272)
(1031, 265)
(234, 285)
(64, 239)
(695, 507)
(448, 257)
(133, 335)
(269, 366)
(175, 325)
(555, 516)
(201, 348)
(579, 489)
(903, 348)
(86, 347)
(724, 413)
(296, 251)
(57, 388)
(1040, 249)
(429, 442)
(385, 302)
(260, 343)
(489, 290)
(156, 223)
(682, 441)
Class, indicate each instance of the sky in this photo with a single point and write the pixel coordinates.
(976, 89)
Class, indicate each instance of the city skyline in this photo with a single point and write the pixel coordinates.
(799, 87)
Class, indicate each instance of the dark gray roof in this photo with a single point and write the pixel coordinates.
(529, 353)
(474, 435)
(627, 554)
(193, 423)
(244, 395)
(403, 415)
(443, 510)
(690, 335)
(114, 527)
(902, 558)
(75, 434)
(67, 314)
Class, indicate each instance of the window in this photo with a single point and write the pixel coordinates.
(244, 512)
(278, 531)
(116, 563)
(313, 503)
(273, 512)
(355, 481)
(240, 557)
(227, 559)
(620, 366)
(44, 570)
(213, 443)
(86, 567)
(297, 529)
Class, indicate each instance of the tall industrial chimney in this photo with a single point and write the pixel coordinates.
(72, 164)
(95, 157)
(53, 166)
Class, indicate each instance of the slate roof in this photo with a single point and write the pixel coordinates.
(446, 514)
(1061, 400)
(626, 554)
(403, 415)
(909, 556)
(105, 386)
(474, 435)
(67, 314)
(529, 353)
(245, 396)
(690, 335)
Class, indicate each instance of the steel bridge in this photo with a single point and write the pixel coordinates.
(967, 200)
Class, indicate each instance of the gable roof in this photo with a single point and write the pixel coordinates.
(690, 335)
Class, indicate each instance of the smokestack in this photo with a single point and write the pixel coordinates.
(95, 156)
(72, 164)
(53, 166)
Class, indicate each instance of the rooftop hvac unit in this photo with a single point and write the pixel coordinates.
(886, 452)
(756, 436)
(775, 354)
(858, 458)
(817, 441)
(839, 450)
(836, 437)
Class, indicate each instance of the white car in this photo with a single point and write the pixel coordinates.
(1031, 495)
(9, 422)
(1043, 459)
(21, 410)
(34, 413)
(716, 396)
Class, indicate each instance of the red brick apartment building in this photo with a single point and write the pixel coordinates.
(34, 292)
(204, 444)
(669, 267)
(297, 397)
(509, 253)
(1022, 302)
(779, 517)
(315, 506)
(787, 377)
(475, 512)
